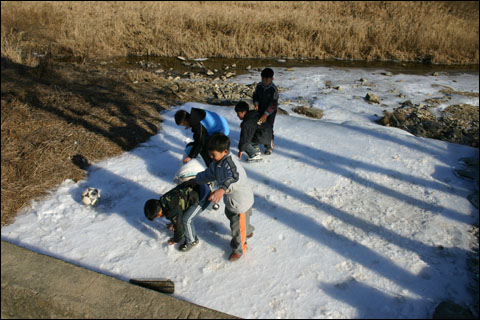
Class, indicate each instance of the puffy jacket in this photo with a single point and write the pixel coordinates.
(229, 175)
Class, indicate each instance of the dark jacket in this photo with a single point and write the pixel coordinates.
(230, 176)
(266, 98)
(199, 131)
(177, 201)
(252, 132)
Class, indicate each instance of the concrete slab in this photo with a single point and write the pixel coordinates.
(38, 286)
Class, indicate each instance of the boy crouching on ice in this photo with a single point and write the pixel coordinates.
(231, 179)
(180, 205)
(253, 132)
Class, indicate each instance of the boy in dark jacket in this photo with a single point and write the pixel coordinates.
(233, 187)
(265, 99)
(203, 123)
(180, 205)
(253, 132)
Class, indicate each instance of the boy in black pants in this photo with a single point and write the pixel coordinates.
(253, 132)
(265, 99)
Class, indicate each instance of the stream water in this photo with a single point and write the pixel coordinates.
(243, 64)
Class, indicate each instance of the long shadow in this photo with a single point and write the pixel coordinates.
(354, 251)
(387, 235)
(338, 165)
(429, 150)
(370, 303)
(315, 158)
(98, 97)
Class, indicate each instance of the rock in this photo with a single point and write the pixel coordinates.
(370, 97)
(210, 73)
(181, 58)
(457, 123)
(309, 112)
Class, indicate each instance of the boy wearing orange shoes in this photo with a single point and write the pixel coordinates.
(233, 187)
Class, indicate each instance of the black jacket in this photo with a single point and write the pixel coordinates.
(199, 131)
(266, 98)
(252, 132)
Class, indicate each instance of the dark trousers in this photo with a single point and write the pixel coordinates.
(271, 121)
(241, 227)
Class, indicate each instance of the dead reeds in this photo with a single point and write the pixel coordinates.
(443, 32)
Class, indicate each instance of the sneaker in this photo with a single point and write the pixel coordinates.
(187, 246)
(269, 148)
(234, 257)
(255, 157)
(196, 241)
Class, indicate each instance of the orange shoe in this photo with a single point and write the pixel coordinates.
(234, 257)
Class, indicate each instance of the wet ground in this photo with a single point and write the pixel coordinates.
(243, 65)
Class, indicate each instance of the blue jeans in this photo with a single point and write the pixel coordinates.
(252, 149)
(188, 217)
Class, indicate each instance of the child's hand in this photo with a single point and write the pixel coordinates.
(171, 241)
(186, 159)
(263, 118)
(216, 196)
(240, 155)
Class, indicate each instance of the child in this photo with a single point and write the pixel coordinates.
(252, 132)
(204, 123)
(265, 99)
(237, 195)
(180, 205)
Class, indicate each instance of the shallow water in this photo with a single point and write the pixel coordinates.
(241, 64)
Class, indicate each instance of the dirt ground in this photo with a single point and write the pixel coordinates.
(60, 116)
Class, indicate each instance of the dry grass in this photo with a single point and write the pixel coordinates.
(54, 112)
(405, 31)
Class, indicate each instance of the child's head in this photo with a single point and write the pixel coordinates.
(218, 146)
(267, 76)
(153, 209)
(241, 109)
(182, 118)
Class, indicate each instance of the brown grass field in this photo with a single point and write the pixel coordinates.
(53, 111)
(445, 32)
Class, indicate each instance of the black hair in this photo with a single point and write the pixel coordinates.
(242, 106)
(181, 116)
(218, 142)
(267, 73)
(151, 208)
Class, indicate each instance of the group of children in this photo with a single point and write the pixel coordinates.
(195, 193)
